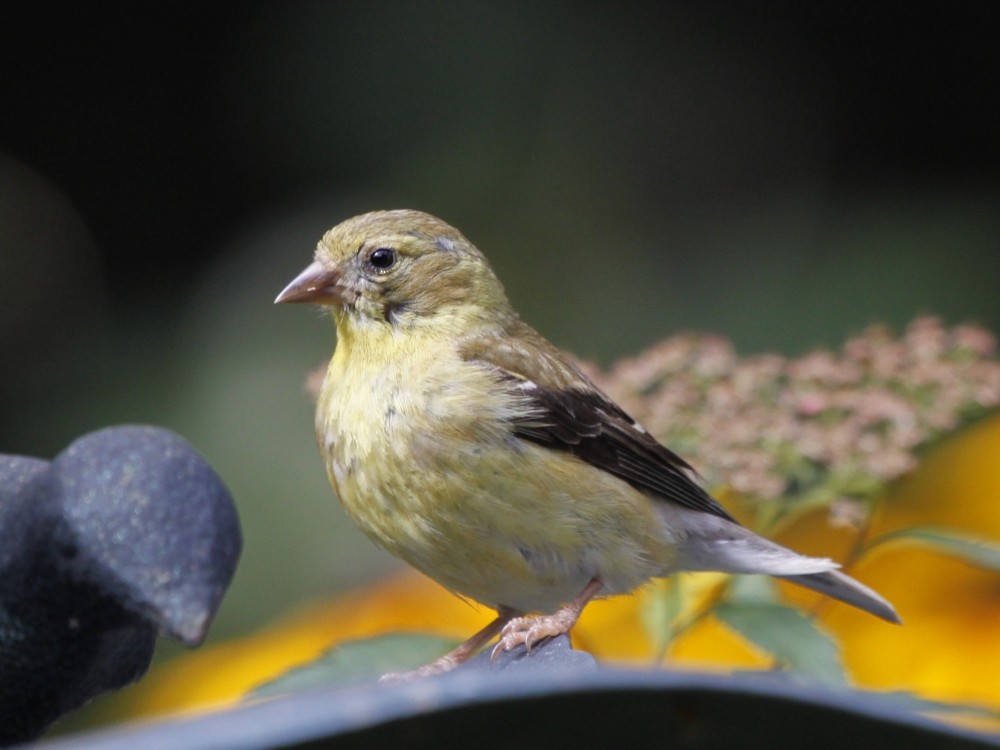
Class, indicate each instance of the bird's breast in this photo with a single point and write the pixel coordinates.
(422, 456)
(399, 436)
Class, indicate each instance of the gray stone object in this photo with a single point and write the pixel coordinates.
(528, 708)
(550, 655)
(126, 534)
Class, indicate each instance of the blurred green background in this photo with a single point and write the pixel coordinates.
(780, 173)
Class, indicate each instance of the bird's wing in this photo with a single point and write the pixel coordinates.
(570, 413)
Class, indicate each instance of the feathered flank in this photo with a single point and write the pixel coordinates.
(595, 430)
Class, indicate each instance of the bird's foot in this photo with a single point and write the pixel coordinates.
(439, 666)
(458, 655)
(530, 630)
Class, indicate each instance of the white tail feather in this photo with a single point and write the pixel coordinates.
(842, 587)
(712, 543)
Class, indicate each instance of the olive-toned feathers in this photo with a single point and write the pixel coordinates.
(573, 415)
(463, 441)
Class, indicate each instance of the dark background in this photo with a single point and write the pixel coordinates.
(780, 173)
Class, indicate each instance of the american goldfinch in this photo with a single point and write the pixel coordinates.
(462, 441)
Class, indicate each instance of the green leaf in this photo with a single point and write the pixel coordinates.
(659, 614)
(752, 589)
(358, 661)
(974, 550)
(789, 636)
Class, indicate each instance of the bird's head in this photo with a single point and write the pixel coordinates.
(400, 269)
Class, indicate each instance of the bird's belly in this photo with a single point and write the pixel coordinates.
(438, 478)
(497, 522)
(477, 557)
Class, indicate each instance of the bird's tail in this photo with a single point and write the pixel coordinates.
(842, 587)
(713, 543)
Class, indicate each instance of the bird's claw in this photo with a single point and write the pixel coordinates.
(528, 631)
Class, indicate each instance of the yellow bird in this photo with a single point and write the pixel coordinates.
(463, 442)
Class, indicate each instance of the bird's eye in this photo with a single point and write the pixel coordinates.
(382, 258)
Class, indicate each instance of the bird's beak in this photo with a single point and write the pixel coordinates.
(318, 285)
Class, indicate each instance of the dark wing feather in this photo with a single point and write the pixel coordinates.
(571, 414)
(596, 430)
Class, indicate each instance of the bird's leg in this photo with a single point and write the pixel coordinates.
(530, 630)
(459, 654)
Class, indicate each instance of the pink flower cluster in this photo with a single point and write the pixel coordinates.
(837, 424)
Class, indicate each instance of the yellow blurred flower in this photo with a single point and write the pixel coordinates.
(947, 648)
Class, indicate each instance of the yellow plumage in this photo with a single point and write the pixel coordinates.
(463, 442)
